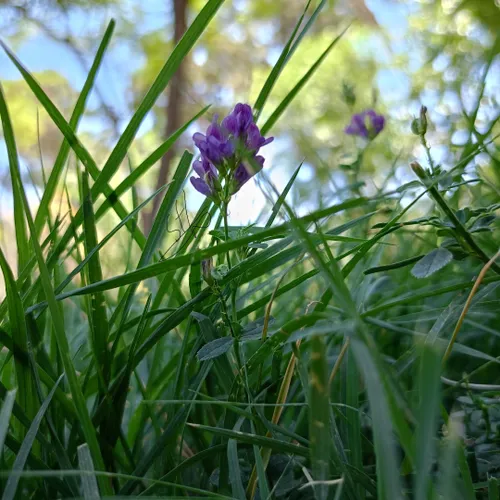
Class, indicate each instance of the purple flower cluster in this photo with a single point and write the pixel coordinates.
(367, 124)
(228, 153)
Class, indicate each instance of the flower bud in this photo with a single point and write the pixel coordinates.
(419, 171)
(348, 94)
(206, 270)
(419, 125)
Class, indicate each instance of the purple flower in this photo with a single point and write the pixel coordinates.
(366, 124)
(215, 146)
(228, 153)
(245, 171)
(208, 182)
(238, 121)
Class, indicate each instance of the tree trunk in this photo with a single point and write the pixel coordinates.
(173, 110)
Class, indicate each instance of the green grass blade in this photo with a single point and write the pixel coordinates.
(19, 338)
(352, 392)
(62, 342)
(99, 325)
(62, 156)
(157, 232)
(105, 240)
(186, 43)
(493, 490)
(261, 470)
(363, 346)
(234, 465)
(145, 165)
(26, 394)
(23, 254)
(169, 434)
(278, 67)
(20, 461)
(281, 199)
(428, 411)
(244, 437)
(89, 482)
(293, 93)
(319, 417)
(175, 263)
(77, 147)
(395, 265)
(5, 413)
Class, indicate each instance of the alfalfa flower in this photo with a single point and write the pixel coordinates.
(228, 154)
(367, 124)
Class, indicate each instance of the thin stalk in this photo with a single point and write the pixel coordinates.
(423, 141)
(458, 226)
(468, 303)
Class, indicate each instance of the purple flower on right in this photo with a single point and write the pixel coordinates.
(367, 124)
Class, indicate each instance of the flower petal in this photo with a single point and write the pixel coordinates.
(200, 186)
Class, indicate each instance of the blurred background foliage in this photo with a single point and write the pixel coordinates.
(395, 56)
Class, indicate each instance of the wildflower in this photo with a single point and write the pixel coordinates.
(228, 154)
(208, 181)
(366, 124)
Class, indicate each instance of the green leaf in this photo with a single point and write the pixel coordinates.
(20, 461)
(222, 365)
(432, 262)
(293, 93)
(62, 156)
(89, 483)
(243, 437)
(23, 253)
(62, 341)
(493, 490)
(395, 265)
(319, 417)
(5, 412)
(234, 465)
(175, 263)
(428, 411)
(215, 348)
(145, 165)
(99, 325)
(195, 280)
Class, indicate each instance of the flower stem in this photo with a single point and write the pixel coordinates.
(423, 141)
(236, 343)
(228, 257)
(466, 240)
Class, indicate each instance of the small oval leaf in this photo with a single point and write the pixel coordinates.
(431, 263)
(215, 348)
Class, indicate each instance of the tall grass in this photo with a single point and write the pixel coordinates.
(313, 367)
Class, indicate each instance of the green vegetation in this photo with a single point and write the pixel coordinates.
(348, 350)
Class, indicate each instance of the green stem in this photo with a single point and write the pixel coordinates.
(233, 288)
(428, 153)
(460, 228)
(236, 343)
